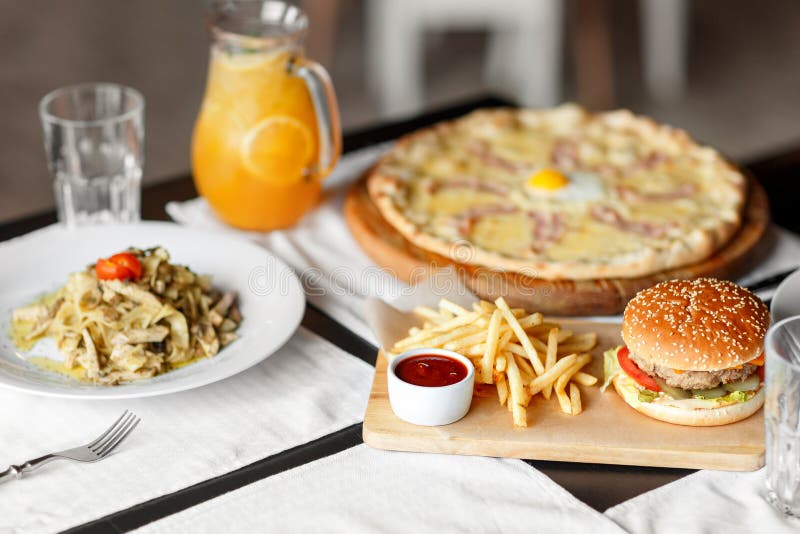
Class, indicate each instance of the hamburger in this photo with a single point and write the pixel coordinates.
(693, 353)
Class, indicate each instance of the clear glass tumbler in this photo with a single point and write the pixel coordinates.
(94, 142)
(782, 415)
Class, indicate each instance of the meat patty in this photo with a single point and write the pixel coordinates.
(694, 379)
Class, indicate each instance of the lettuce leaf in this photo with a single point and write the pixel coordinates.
(738, 396)
(646, 395)
(611, 366)
(733, 396)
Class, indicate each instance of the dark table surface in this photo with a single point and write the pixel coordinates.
(600, 486)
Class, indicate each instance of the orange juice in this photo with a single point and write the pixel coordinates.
(255, 142)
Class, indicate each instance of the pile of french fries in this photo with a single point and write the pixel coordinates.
(520, 353)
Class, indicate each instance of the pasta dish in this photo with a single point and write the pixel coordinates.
(131, 316)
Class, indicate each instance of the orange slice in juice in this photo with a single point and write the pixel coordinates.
(277, 150)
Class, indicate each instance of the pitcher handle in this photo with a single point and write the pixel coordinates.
(323, 97)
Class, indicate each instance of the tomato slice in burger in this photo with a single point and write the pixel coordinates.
(633, 371)
(126, 259)
(108, 270)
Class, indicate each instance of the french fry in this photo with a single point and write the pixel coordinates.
(528, 321)
(542, 329)
(575, 398)
(460, 320)
(564, 335)
(560, 386)
(524, 366)
(505, 337)
(551, 375)
(502, 389)
(478, 338)
(523, 338)
(525, 378)
(516, 348)
(500, 363)
(487, 307)
(491, 345)
(539, 345)
(439, 339)
(516, 394)
(563, 400)
(550, 358)
(567, 375)
(578, 343)
(429, 314)
(452, 307)
(584, 379)
(470, 352)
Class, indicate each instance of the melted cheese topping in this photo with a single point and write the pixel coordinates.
(651, 183)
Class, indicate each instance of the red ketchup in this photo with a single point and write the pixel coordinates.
(431, 370)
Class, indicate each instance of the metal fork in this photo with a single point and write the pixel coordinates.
(92, 452)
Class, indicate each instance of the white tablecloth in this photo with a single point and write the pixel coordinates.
(707, 502)
(307, 390)
(367, 490)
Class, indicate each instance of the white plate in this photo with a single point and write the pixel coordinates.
(786, 300)
(271, 300)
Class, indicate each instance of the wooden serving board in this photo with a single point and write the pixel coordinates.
(607, 432)
(389, 249)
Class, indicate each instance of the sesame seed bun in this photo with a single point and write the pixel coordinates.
(696, 325)
(723, 415)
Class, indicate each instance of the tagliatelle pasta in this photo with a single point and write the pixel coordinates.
(115, 330)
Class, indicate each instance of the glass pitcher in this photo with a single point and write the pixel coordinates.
(268, 130)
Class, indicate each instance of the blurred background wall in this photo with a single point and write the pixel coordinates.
(726, 70)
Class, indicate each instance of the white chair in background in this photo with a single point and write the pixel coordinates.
(525, 51)
(525, 47)
(665, 43)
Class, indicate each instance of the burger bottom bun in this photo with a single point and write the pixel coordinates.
(684, 416)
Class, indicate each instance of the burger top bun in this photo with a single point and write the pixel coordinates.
(696, 325)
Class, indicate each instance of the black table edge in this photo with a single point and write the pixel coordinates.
(165, 505)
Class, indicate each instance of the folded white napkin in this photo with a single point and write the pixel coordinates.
(306, 390)
(367, 490)
(707, 502)
(338, 275)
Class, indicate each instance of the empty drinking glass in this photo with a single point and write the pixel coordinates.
(94, 141)
(782, 414)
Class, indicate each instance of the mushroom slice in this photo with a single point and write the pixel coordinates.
(153, 334)
(88, 358)
(135, 293)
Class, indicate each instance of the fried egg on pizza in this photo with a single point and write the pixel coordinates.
(560, 193)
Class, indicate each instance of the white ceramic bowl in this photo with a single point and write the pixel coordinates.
(430, 406)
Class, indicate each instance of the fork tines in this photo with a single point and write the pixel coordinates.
(116, 434)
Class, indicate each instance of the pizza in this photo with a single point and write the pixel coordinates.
(559, 193)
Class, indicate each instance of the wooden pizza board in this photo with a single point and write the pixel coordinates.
(607, 432)
(390, 250)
